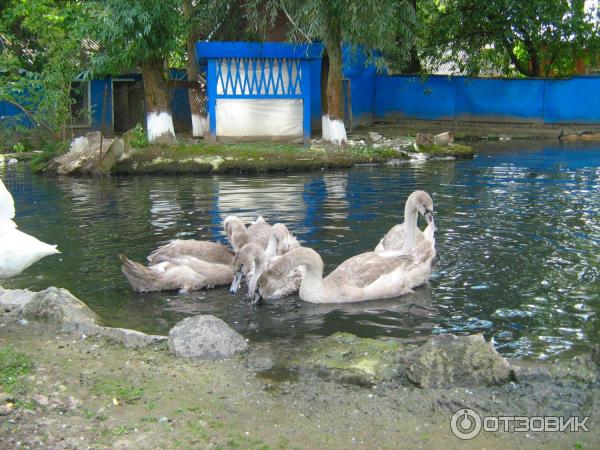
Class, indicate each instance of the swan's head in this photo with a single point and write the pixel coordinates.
(272, 283)
(244, 261)
(235, 231)
(422, 202)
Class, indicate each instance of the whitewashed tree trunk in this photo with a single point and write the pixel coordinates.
(332, 121)
(159, 121)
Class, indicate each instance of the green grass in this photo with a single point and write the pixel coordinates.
(247, 157)
(14, 366)
(39, 163)
(121, 390)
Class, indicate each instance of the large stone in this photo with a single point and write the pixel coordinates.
(424, 139)
(130, 338)
(91, 154)
(346, 358)
(443, 139)
(447, 361)
(58, 306)
(205, 337)
(374, 137)
(12, 301)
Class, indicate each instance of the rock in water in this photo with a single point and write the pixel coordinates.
(346, 358)
(60, 307)
(447, 361)
(205, 337)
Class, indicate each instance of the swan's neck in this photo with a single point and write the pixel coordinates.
(312, 288)
(259, 267)
(271, 250)
(410, 227)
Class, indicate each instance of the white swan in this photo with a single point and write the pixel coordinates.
(184, 273)
(18, 250)
(252, 260)
(406, 237)
(367, 276)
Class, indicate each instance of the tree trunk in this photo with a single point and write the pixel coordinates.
(159, 121)
(333, 116)
(414, 64)
(196, 96)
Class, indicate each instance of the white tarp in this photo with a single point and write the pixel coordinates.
(257, 117)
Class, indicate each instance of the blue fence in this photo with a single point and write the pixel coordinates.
(541, 101)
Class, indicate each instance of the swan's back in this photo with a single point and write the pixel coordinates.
(204, 250)
(7, 204)
(259, 232)
(394, 239)
(19, 250)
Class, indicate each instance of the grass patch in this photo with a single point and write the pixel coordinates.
(455, 150)
(39, 163)
(14, 366)
(247, 157)
(121, 390)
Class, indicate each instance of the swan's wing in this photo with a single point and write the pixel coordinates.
(364, 269)
(7, 204)
(393, 240)
(216, 274)
(205, 250)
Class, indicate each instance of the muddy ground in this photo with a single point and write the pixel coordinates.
(83, 392)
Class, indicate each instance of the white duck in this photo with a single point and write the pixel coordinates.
(367, 276)
(406, 237)
(252, 260)
(18, 250)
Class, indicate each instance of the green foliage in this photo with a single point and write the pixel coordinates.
(139, 138)
(19, 148)
(380, 26)
(532, 38)
(40, 54)
(39, 162)
(14, 366)
(133, 31)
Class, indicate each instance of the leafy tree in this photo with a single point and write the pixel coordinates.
(534, 37)
(40, 55)
(216, 20)
(370, 24)
(140, 33)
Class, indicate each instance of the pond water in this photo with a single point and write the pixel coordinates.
(518, 242)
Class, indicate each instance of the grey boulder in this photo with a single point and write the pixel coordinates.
(205, 337)
(447, 361)
(58, 306)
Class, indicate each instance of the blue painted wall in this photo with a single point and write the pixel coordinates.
(572, 101)
(548, 101)
(413, 98)
(97, 90)
(497, 100)
(361, 75)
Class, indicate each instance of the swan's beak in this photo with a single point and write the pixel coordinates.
(237, 280)
(428, 215)
(257, 298)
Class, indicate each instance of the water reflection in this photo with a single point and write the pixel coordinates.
(519, 245)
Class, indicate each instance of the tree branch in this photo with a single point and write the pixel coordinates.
(31, 117)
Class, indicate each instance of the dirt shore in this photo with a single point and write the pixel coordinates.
(82, 392)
